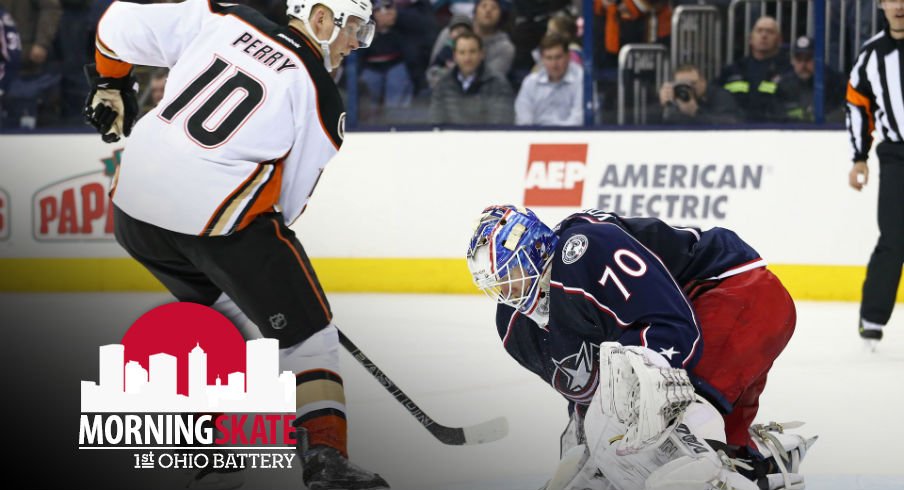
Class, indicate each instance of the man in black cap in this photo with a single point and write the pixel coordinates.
(795, 88)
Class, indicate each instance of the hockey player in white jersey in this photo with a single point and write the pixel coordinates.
(211, 179)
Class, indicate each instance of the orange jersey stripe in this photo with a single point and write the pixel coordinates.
(108, 67)
(860, 100)
(307, 274)
(268, 197)
(219, 211)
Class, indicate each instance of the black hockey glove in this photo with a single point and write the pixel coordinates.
(112, 104)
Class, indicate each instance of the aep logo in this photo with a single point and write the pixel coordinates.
(555, 175)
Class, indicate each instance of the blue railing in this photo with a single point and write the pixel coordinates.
(819, 58)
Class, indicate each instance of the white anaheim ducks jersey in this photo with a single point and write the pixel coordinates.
(248, 120)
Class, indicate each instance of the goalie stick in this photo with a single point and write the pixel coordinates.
(488, 431)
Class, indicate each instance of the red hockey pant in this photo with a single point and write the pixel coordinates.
(747, 320)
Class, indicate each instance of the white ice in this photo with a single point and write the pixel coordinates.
(444, 352)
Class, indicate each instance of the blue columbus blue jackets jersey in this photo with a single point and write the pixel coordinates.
(621, 279)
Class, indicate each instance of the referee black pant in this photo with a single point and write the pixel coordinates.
(883, 274)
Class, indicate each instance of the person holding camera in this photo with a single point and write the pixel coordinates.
(689, 99)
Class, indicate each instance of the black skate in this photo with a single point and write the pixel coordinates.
(870, 336)
(325, 468)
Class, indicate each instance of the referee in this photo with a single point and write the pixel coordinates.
(874, 98)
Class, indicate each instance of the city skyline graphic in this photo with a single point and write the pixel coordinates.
(129, 387)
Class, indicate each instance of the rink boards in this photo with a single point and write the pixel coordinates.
(393, 212)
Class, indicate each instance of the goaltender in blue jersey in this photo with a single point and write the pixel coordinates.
(660, 337)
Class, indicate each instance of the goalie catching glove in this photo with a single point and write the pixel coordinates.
(112, 104)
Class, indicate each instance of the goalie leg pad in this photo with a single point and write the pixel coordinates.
(687, 442)
(706, 422)
(577, 471)
(573, 433)
(640, 390)
(688, 473)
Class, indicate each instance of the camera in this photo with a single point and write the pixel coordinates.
(683, 92)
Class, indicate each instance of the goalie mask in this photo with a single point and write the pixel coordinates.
(343, 10)
(509, 255)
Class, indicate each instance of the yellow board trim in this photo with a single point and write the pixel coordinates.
(804, 282)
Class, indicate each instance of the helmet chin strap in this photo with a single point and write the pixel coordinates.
(324, 45)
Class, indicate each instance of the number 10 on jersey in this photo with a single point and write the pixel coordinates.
(220, 112)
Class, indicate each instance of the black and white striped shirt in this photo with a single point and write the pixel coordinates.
(874, 94)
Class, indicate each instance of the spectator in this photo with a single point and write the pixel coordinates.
(442, 62)
(443, 41)
(753, 80)
(383, 69)
(630, 21)
(621, 22)
(417, 24)
(471, 93)
(154, 93)
(554, 95)
(38, 22)
(795, 88)
(564, 24)
(530, 25)
(488, 19)
(492, 33)
(10, 55)
(689, 99)
(75, 45)
(158, 83)
(456, 7)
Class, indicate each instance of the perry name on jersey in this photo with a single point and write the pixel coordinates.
(248, 121)
(625, 280)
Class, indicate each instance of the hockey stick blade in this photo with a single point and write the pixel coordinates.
(489, 431)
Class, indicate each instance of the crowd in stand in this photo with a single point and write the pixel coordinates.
(467, 62)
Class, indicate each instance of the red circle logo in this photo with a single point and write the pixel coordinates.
(176, 329)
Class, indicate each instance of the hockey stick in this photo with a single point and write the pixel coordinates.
(488, 431)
